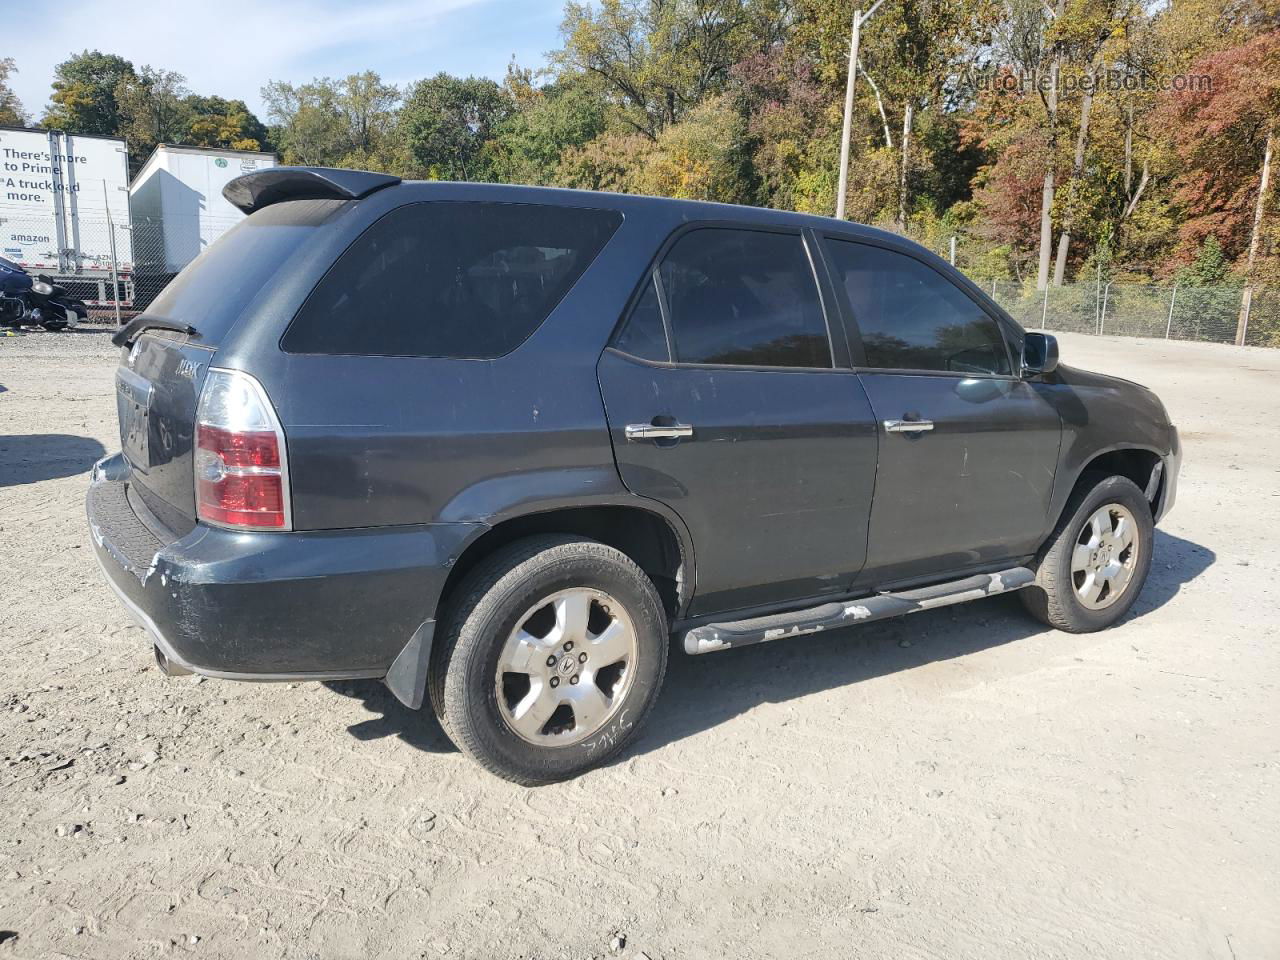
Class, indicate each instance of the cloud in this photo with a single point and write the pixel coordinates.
(233, 47)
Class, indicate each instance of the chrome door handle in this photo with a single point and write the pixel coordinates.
(907, 426)
(651, 431)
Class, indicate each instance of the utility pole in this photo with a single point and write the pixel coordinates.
(858, 18)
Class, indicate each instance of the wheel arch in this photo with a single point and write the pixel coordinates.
(1133, 461)
(1137, 463)
(658, 544)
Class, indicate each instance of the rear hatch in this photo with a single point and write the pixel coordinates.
(159, 379)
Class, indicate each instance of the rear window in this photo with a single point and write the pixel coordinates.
(450, 279)
(214, 289)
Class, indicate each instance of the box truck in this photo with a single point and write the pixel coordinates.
(64, 211)
(177, 205)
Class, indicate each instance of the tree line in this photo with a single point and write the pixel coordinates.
(1059, 139)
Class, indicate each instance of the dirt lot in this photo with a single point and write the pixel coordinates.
(959, 784)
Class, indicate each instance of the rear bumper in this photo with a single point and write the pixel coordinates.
(307, 605)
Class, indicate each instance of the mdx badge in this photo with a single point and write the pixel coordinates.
(189, 369)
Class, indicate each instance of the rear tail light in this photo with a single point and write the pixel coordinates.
(241, 468)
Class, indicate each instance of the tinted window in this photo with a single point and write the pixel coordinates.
(744, 297)
(214, 289)
(642, 335)
(450, 280)
(912, 317)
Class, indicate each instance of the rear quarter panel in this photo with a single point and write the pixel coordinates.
(377, 441)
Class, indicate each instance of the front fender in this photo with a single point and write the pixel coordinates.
(1100, 415)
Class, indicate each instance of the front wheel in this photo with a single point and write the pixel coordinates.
(551, 658)
(1097, 560)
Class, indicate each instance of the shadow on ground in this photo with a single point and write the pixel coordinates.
(703, 692)
(32, 457)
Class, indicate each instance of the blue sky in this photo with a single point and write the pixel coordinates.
(233, 47)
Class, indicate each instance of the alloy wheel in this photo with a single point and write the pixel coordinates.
(1105, 556)
(566, 667)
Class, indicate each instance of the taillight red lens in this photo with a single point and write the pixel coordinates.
(248, 449)
(239, 460)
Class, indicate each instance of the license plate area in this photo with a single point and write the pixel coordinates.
(133, 405)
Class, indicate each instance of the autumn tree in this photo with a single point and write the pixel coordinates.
(217, 122)
(1225, 133)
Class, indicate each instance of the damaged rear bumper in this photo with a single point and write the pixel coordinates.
(305, 605)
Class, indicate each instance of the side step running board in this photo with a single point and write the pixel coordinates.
(831, 616)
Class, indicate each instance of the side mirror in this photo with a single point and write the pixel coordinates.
(1039, 354)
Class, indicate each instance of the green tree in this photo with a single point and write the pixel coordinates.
(445, 123)
(84, 94)
(11, 112)
(543, 123)
(347, 122)
(308, 128)
(655, 60)
(703, 157)
(609, 162)
(367, 108)
(152, 109)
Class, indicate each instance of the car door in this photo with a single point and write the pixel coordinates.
(968, 450)
(729, 400)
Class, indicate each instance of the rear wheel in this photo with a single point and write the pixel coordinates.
(552, 658)
(1095, 564)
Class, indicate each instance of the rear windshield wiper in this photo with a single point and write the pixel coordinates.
(125, 336)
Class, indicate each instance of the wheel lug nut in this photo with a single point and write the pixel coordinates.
(574, 678)
(555, 681)
(568, 646)
(582, 657)
(551, 661)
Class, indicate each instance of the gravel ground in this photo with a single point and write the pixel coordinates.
(960, 784)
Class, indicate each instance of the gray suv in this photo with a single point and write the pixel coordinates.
(496, 445)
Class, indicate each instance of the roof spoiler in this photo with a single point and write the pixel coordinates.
(262, 188)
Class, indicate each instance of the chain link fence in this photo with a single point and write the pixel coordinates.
(119, 269)
(1213, 314)
(1172, 311)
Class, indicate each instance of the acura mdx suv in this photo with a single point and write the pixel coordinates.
(497, 445)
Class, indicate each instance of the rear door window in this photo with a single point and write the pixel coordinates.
(745, 298)
(911, 317)
(450, 279)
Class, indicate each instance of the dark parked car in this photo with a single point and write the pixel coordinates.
(495, 445)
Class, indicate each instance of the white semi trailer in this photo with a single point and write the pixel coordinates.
(64, 211)
(177, 205)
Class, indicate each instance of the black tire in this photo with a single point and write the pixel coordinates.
(490, 604)
(1053, 598)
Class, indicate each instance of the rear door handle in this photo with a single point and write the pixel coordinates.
(907, 426)
(652, 431)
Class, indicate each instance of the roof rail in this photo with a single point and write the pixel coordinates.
(259, 189)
